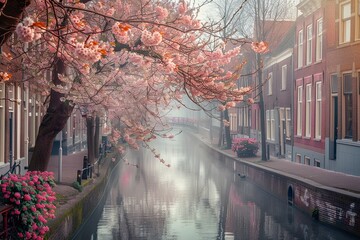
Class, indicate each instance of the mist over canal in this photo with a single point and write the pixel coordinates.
(198, 197)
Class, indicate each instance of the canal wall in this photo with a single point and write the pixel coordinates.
(76, 211)
(331, 206)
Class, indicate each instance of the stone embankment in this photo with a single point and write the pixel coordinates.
(329, 197)
(74, 207)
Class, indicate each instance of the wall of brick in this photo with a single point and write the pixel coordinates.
(336, 207)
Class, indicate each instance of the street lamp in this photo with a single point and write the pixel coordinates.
(60, 159)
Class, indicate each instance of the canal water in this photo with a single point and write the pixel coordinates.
(198, 197)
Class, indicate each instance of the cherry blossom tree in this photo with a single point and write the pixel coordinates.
(121, 59)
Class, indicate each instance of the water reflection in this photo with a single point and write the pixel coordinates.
(199, 197)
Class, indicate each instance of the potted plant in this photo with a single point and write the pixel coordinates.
(245, 147)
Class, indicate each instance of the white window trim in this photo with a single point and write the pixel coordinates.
(288, 122)
(283, 77)
(357, 20)
(299, 110)
(319, 40)
(342, 39)
(309, 44)
(308, 110)
(300, 49)
(318, 115)
(272, 124)
(270, 83)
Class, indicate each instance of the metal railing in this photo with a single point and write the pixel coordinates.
(87, 170)
(12, 170)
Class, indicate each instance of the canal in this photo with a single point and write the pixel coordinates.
(198, 197)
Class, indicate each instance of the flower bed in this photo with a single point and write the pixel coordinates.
(32, 198)
(245, 147)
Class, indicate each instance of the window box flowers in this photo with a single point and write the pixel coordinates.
(32, 198)
(245, 147)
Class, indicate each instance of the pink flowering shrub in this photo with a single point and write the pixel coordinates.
(32, 197)
(245, 147)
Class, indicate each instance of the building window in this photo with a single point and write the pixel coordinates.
(270, 83)
(309, 44)
(298, 158)
(348, 105)
(245, 116)
(307, 160)
(316, 163)
(319, 40)
(357, 21)
(299, 111)
(334, 83)
(268, 126)
(288, 123)
(308, 111)
(318, 111)
(17, 124)
(300, 48)
(283, 77)
(233, 122)
(272, 123)
(345, 27)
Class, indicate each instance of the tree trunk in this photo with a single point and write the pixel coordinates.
(221, 132)
(262, 111)
(90, 138)
(97, 137)
(10, 17)
(52, 123)
(227, 130)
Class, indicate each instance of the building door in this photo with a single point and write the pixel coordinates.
(335, 127)
(283, 137)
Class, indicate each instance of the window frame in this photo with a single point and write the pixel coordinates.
(300, 57)
(288, 123)
(283, 77)
(357, 20)
(308, 115)
(318, 108)
(299, 110)
(272, 124)
(270, 83)
(319, 39)
(345, 24)
(348, 108)
(309, 43)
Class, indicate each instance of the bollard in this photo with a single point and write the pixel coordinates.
(78, 176)
(85, 170)
(90, 170)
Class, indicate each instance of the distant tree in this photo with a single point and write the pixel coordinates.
(263, 20)
(227, 12)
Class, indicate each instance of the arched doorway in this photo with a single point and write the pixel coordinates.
(290, 195)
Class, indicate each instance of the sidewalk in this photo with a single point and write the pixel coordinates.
(70, 164)
(309, 174)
